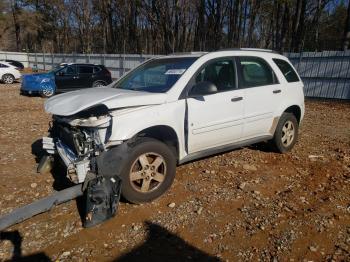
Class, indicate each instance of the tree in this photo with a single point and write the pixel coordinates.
(346, 42)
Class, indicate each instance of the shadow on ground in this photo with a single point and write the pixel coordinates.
(162, 245)
(16, 240)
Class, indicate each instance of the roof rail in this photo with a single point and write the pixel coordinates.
(249, 49)
(199, 53)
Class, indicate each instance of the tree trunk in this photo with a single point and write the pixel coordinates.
(346, 42)
(15, 10)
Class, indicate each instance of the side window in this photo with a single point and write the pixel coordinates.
(256, 72)
(287, 70)
(97, 69)
(3, 66)
(221, 73)
(85, 69)
(69, 70)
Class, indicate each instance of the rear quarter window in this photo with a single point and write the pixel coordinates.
(287, 70)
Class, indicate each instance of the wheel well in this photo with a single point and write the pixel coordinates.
(8, 74)
(165, 134)
(295, 110)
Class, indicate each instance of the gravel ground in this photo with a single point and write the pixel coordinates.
(246, 205)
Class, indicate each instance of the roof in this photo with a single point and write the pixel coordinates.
(199, 54)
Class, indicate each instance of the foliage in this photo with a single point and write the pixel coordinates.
(165, 26)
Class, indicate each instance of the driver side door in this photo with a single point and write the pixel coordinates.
(66, 79)
(216, 119)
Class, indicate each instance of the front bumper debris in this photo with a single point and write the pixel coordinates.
(77, 168)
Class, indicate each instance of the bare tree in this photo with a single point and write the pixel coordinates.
(346, 42)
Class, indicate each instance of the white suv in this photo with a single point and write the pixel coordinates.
(175, 109)
(8, 73)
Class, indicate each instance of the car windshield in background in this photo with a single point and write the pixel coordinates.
(156, 76)
(56, 69)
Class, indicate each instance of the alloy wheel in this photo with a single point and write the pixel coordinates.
(8, 79)
(147, 172)
(288, 133)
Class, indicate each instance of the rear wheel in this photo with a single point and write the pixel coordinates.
(148, 172)
(286, 133)
(8, 78)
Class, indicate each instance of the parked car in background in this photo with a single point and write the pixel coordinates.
(66, 77)
(8, 73)
(15, 63)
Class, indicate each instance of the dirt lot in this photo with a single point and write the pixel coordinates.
(246, 205)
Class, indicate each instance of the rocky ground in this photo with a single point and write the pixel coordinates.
(247, 205)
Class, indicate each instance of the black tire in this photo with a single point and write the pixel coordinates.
(131, 190)
(279, 142)
(8, 78)
(98, 84)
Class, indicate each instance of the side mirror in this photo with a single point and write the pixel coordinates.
(202, 89)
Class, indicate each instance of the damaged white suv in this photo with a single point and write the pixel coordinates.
(175, 109)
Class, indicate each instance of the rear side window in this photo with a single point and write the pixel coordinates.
(97, 69)
(3, 66)
(256, 72)
(85, 69)
(287, 70)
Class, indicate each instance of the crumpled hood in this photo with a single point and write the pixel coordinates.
(73, 102)
(37, 77)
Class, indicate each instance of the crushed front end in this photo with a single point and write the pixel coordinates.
(78, 141)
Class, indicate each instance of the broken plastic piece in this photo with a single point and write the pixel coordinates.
(102, 199)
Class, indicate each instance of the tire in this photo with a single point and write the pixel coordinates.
(98, 84)
(286, 133)
(143, 181)
(8, 78)
(47, 91)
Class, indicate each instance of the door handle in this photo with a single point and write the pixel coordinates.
(276, 91)
(235, 99)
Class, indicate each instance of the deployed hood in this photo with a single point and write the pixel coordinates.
(74, 102)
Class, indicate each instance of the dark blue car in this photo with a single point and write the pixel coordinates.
(67, 77)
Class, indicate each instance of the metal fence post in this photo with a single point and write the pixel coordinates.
(44, 61)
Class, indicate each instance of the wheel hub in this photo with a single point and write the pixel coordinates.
(147, 172)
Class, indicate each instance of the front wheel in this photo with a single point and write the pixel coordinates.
(148, 172)
(286, 133)
(47, 90)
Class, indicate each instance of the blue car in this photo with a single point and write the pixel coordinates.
(67, 77)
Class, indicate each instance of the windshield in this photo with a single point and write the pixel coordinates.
(157, 75)
(56, 69)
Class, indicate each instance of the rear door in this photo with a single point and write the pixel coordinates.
(215, 119)
(262, 93)
(67, 78)
(85, 76)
